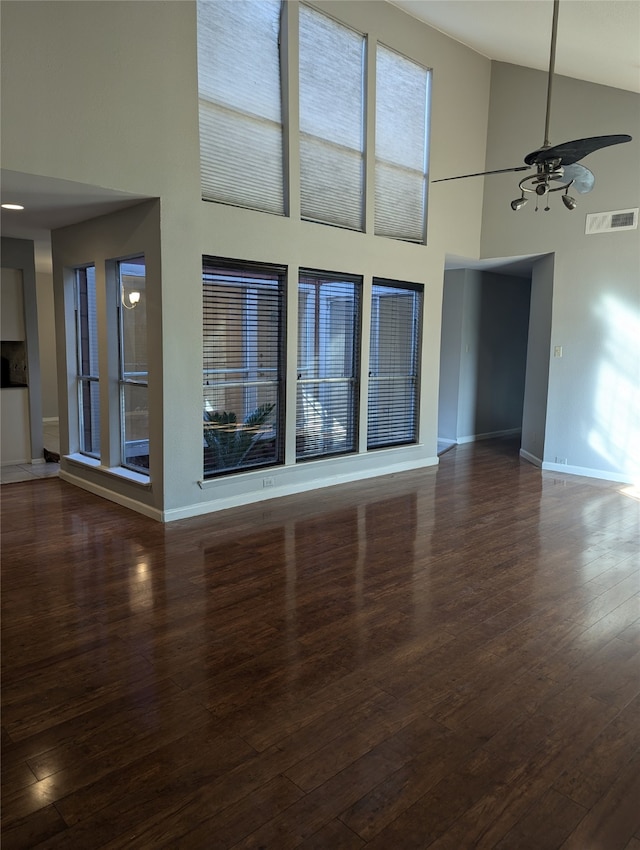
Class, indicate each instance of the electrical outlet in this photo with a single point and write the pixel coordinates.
(268, 482)
(561, 460)
(557, 351)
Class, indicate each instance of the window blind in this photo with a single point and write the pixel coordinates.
(393, 364)
(402, 109)
(241, 152)
(243, 353)
(328, 347)
(331, 121)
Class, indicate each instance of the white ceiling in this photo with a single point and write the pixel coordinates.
(598, 40)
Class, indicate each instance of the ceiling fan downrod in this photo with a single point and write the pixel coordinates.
(550, 169)
(552, 65)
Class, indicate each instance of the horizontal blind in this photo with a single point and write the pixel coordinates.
(402, 109)
(393, 363)
(328, 347)
(241, 148)
(331, 121)
(242, 366)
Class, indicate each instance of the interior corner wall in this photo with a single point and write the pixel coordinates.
(450, 354)
(534, 413)
(18, 254)
(131, 232)
(592, 421)
(139, 138)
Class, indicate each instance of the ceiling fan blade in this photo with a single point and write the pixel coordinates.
(483, 173)
(570, 152)
(582, 179)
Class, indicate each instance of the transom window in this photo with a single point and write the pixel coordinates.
(331, 121)
(241, 139)
(402, 110)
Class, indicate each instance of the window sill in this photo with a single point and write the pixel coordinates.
(116, 471)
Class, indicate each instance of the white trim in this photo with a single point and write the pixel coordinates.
(117, 471)
(444, 441)
(289, 489)
(37, 460)
(118, 498)
(51, 420)
(525, 455)
(587, 472)
(473, 438)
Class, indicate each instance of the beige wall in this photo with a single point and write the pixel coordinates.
(127, 74)
(593, 401)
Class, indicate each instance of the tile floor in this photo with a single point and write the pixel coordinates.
(29, 471)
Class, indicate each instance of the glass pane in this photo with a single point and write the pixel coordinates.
(242, 355)
(393, 384)
(241, 152)
(87, 322)
(331, 121)
(134, 319)
(135, 416)
(328, 345)
(89, 405)
(402, 120)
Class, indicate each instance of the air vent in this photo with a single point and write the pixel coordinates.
(608, 221)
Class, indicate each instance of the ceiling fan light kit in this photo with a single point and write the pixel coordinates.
(554, 163)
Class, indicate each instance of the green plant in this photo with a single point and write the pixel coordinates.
(230, 441)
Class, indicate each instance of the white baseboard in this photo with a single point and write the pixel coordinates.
(587, 472)
(473, 438)
(118, 498)
(290, 489)
(525, 455)
(50, 420)
(446, 442)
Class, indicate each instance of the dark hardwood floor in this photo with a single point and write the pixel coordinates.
(443, 658)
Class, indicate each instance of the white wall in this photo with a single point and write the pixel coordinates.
(593, 404)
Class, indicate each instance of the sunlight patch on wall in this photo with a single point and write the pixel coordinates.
(616, 425)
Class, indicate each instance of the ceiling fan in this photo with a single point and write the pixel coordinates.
(554, 163)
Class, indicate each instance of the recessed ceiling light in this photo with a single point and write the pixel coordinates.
(12, 206)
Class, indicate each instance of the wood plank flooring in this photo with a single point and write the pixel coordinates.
(447, 658)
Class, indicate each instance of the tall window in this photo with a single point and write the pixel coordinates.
(328, 345)
(331, 121)
(87, 361)
(133, 366)
(243, 333)
(393, 363)
(402, 110)
(241, 152)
